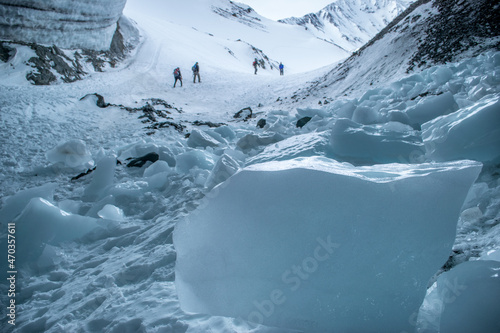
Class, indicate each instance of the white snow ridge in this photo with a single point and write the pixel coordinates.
(357, 193)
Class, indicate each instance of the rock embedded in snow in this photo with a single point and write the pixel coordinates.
(334, 247)
(470, 133)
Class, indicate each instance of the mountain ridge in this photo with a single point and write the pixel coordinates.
(350, 23)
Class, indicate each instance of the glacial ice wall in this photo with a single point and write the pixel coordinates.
(88, 24)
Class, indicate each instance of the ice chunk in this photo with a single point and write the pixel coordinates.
(15, 204)
(364, 144)
(301, 113)
(472, 133)
(110, 212)
(344, 109)
(157, 167)
(225, 167)
(102, 179)
(316, 245)
(201, 139)
(442, 75)
(254, 141)
(194, 158)
(72, 154)
(464, 300)
(43, 223)
(365, 115)
(226, 132)
(432, 107)
(304, 145)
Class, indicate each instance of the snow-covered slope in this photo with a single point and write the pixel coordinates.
(222, 33)
(88, 24)
(427, 33)
(350, 23)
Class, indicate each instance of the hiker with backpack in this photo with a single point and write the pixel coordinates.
(196, 72)
(255, 64)
(177, 76)
(282, 69)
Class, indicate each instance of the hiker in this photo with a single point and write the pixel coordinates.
(281, 69)
(177, 76)
(255, 63)
(196, 73)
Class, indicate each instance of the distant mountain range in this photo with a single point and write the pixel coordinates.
(350, 24)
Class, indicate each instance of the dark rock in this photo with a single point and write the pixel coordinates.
(100, 100)
(303, 121)
(6, 52)
(207, 123)
(245, 113)
(51, 59)
(89, 171)
(140, 161)
(261, 123)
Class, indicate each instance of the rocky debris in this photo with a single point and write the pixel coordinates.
(207, 123)
(244, 114)
(166, 124)
(473, 28)
(52, 63)
(53, 59)
(302, 122)
(150, 114)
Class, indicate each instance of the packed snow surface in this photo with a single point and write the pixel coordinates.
(104, 259)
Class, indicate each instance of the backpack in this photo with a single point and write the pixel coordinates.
(195, 68)
(177, 72)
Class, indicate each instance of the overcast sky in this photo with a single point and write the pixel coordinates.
(278, 9)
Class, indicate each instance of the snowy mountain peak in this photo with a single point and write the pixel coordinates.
(350, 23)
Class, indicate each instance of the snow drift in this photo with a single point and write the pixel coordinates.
(318, 245)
